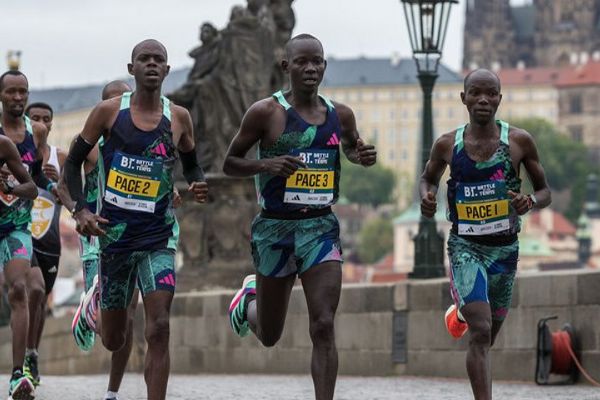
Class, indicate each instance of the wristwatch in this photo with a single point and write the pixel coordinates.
(8, 187)
(531, 201)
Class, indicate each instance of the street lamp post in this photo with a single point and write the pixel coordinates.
(427, 22)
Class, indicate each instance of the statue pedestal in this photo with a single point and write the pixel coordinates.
(214, 239)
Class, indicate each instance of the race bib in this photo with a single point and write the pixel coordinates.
(42, 214)
(482, 207)
(133, 182)
(315, 184)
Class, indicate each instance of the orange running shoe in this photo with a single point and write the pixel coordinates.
(455, 324)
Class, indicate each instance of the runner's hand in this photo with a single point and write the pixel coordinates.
(200, 191)
(282, 166)
(367, 155)
(51, 172)
(428, 205)
(177, 200)
(87, 223)
(519, 202)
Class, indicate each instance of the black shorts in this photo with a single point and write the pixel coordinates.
(49, 266)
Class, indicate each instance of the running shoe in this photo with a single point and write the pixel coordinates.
(30, 369)
(90, 304)
(20, 387)
(455, 324)
(83, 334)
(238, 317)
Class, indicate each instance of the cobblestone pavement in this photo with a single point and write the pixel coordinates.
(262, 387)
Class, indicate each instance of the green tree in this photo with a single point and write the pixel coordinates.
(373, 185)
(565, 162)
(375, 240)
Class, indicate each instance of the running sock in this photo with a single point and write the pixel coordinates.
(111, 395)
(31, 352)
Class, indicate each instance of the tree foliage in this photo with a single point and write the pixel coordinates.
(374, 185)
(565, 162)
(375, 240)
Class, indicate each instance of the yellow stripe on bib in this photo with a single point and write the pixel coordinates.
(128, 184)
(307, 179)
(482, 211)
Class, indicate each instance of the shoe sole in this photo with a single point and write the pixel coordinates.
(23, 392)
(448, 312)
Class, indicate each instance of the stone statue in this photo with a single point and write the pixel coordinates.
(233, 68)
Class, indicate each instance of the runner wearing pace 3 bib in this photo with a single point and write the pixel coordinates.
(297, 172)
(296, 217)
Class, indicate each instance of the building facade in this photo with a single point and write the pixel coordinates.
(536, 33)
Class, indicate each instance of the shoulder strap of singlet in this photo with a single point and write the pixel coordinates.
(504, 128)
(166, 107)
(458, 138)
(28, 127)
(281, 100)
(125, 101)
(327, 101)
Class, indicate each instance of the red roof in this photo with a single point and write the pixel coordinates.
(530, 76)
(581, 75)
(560, 224)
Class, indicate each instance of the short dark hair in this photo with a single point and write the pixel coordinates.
(12, 72)
(41, 105)
(302, 36)
(467, 79)
(143, 42)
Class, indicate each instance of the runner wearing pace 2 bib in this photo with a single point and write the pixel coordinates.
(142, 231)
(288, 223)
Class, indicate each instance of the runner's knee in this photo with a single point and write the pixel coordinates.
(158, 330)
(17, 294)
(481, 332)
(322, 330)
(113, 341)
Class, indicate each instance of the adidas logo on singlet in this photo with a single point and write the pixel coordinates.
(333, 140)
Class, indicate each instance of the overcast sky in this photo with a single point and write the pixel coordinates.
(74, 42)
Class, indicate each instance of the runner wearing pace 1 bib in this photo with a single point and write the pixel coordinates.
(142, 231)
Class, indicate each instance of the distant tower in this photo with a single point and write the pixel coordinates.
(584, 239)
(566, 30)
(13, 60)
(489, 34)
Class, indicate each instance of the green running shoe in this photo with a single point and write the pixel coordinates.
(237, 309)
(20, 387)
(30, 369)
(83, 334)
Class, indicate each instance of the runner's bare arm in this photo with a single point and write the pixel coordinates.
(97, 122)
(26, 188)
(535, 171)
(193, 173)
(434, 169)
(354, 147)
(252, 130)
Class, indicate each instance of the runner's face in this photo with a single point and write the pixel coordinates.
(149, 65)
(41, 115)
(14, 95)
(482, 98)
(306, 65)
